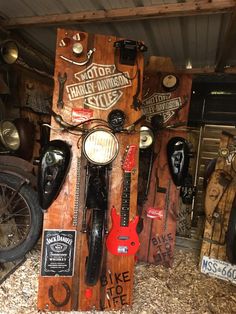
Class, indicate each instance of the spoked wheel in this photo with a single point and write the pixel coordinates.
(20, 218)
(96, 238)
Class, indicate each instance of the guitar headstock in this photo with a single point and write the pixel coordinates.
(129, 160)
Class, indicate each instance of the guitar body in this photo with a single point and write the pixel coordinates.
(121, 240)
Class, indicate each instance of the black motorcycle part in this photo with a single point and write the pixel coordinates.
(178, 155)
(53, 167)
(231, 235)
(116, 120)
(157, 121)
(20, 217)
(146, 157)
(96, 239)
(97, 192)
(128, 50)
(187, 190)
(97, 202)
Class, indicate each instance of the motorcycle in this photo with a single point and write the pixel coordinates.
(20, 213)
(100, 147)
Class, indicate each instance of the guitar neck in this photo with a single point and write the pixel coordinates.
(124, 222)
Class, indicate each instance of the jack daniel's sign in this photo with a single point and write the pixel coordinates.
(99, 86)
(58, 253)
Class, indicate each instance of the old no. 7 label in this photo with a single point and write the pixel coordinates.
(99, 86)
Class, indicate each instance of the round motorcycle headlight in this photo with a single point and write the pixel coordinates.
(9, 135)
(100, 147)
(146, 137)
(9, 51)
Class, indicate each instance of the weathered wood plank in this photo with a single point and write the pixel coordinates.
(213, 244)
(158, 235)
(114, 290)
(189, 8)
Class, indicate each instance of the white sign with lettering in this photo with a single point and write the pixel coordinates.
(161, 103)
(99, 86)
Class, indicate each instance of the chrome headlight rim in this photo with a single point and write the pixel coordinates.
(146, 137)
(9, 135)
(224, 152)
(9, 51)
(115, 147)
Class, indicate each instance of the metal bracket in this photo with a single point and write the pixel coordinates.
(89, 55)
(54, 301)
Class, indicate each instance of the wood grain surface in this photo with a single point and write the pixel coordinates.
(213, 244)
(158, 235)
(114, 290)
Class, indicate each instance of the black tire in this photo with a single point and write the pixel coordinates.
(94, 260)
(231, 236)
(20, 218)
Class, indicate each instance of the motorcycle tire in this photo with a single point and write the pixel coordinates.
(21, 218)
(231, 236)
(96, 238)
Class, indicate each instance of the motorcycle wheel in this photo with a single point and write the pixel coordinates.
(231, 236)
(94, 260)
(20, 218)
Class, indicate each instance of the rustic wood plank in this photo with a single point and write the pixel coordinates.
(189, 8)
(114, 290)
(158, 236)
(216, 187)
(230, 195)
(213, 244)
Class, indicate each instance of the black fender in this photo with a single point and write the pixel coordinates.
(54, 162)
(18, 167)
(96, 240)
(178, 156)
(97, 189)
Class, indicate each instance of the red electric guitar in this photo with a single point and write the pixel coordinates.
(123, 238)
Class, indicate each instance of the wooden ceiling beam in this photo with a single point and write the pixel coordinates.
(179, 9)
(206, 70)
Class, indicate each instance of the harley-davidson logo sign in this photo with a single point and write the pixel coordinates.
(99, 86)
(161, 103)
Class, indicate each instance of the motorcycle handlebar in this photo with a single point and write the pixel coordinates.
(130, 128)
(65, 125)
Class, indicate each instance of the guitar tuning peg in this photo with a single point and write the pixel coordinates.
(127, 149)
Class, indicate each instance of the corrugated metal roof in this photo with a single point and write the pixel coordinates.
(191, 40)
